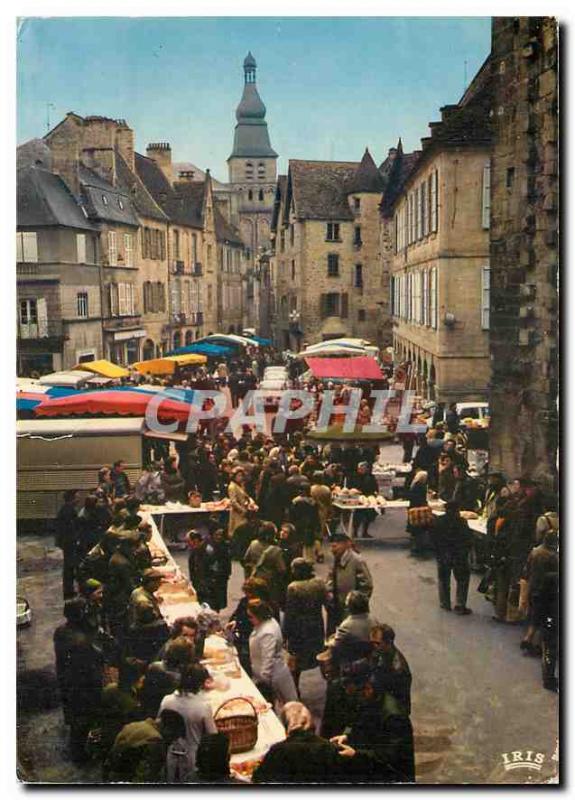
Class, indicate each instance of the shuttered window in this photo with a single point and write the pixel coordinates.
(486, 200)
(485, 297)
(426, 297)
(112, 248)
(433, 298)
(433, 203)
(81, 248)
(129, 249)
(27, 247)
(425, 208)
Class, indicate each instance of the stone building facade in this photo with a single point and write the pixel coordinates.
(524, 249)
(439, 264)
(326, 272)
(59, 315)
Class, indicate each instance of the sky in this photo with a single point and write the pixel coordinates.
(332, 86)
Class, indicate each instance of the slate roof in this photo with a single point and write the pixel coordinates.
(281, 186)
(182, 207)
(95, 188)
(395, 170)
(33, 151)
(44, 200)
(143, 201)
(367, 178)
(225, 231)
(319, 188)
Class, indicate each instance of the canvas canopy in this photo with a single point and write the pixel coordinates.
(169, 364)
(104, 368)
(355, 368)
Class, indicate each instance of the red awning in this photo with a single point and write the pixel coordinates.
(114, 403)
(354, 368)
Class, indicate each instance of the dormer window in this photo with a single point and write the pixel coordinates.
(104, 200)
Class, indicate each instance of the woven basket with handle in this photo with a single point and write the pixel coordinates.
(241, 729)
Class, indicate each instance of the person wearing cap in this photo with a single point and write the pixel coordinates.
(144, 606)
(147, 630)
(390, 670)
(453, 541)
(303, 626)
(349, 572)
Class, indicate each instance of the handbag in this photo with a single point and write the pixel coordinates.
(420, 517)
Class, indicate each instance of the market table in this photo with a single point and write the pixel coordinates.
(172, 509)
(231, 680)
(379, 508)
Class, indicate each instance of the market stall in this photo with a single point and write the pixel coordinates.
(355, 368)
(104, 368)
(233, 690)
(169, 364)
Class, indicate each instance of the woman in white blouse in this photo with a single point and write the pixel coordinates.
(269, 669)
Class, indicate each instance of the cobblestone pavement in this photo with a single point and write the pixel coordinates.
(475, 696)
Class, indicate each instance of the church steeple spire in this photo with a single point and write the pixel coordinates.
(251, 138)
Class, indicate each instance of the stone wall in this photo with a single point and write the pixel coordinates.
(524, 249)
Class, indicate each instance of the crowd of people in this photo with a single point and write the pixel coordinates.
(133, 688)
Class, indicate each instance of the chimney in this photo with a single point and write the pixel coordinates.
(65, 163)
(102, 160)
(161, 153)
(125, 143)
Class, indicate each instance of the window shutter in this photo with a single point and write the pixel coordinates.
(128, 250)
(30, 247)
(486, 205)
(425, 206)
(42, 312)
(112, 248)
(433, 201)
(81, 248)
(433, 298)
(344, 306)
(19, 248)
(122, 299)
(426, 297)
(485, 297)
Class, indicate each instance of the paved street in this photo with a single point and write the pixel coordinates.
(475, 696)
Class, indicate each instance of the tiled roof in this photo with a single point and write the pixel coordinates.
(143, 201)
(43, 200)
(33, 151)
(199, 174)
(367, 177)
(117, 205)
(320, 188)
(397, 168)
(281, 186)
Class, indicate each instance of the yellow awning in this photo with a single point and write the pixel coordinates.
(103, 367)
(168, 364)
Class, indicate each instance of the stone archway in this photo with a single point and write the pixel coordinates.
(189, 337)
(177, 340)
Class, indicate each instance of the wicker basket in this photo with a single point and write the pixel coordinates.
(241, 729)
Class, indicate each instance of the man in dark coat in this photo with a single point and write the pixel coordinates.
(220, 570)
(66, 538)
(380, 736)
(79, 668)
(304, 516)
(452, 419)
(302, 757)
(120, 479)
(453, 540)
(199, 563)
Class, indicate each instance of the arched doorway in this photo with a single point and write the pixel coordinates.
(148, 350)
(177, 340)
(188, 339)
